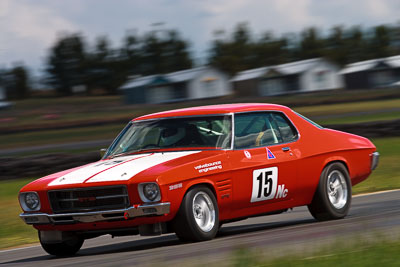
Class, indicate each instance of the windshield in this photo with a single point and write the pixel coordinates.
(210, 132)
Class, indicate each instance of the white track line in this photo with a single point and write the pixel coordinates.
(376, 193)
(15, 249)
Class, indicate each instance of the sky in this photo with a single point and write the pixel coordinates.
(29, 28)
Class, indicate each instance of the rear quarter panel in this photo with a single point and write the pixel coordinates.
(320, 147)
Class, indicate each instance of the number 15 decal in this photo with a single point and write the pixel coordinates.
(265, 185)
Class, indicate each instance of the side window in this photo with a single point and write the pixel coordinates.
(287, 131)
(259, 129)
(254, 130)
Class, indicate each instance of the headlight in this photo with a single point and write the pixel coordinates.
(149, 192)
(29, 201)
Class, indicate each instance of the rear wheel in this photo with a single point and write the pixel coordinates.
(65, 248)
(333, 196)
(197, 218)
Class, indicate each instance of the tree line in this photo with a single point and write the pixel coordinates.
(241, 50)
(75, 65)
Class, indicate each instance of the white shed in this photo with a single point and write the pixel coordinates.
(2, 93)
(373, 73)
(300, 76)
(3, 103)
(197, 83)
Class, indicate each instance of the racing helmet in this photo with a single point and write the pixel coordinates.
(170, 136)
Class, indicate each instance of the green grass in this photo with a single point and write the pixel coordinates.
(78, 109)
(349, 107)
(60, 136)
(353, 112)
(13, 231)
(81, 110)
(109, 131)
(57, 151)
(358, 118)
(361, 253)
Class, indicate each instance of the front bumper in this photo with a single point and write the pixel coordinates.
(97, 216)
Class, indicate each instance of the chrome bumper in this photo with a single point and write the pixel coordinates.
(374, 160)
(96, 216)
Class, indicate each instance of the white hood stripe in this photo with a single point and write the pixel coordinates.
(118, 169)
(81, 175)
(146, 155)
(127, 171)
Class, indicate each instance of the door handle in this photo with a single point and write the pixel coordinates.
(285, 149)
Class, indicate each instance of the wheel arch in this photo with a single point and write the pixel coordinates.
(205, 183)
(345, 164)
(177, 199)
(326, 163)
(335, 159)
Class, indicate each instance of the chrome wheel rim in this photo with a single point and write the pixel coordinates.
(203, 211)
(337, 189)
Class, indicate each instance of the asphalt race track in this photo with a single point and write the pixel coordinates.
(370, 216)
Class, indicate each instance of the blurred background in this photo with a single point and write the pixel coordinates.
(73, 73)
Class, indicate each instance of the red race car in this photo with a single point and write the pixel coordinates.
(190, 170)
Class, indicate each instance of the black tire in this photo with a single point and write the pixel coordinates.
(185, 224)
(63, 249)
(322, 206)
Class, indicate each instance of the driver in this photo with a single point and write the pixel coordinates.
(171, 136)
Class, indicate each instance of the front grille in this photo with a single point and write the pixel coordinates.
(89, 199)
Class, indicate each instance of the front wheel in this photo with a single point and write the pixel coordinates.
(65, 248)
(333, 196)
(198, 217)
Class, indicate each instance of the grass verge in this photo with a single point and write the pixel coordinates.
(361, 253)
(353, 107)
(13, 231)
(60, 136)
(323, 114)
(347, 119)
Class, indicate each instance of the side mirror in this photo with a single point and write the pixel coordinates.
(103, 152)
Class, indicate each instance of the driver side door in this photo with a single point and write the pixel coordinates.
(264, 166)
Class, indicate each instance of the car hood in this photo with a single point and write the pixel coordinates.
(116, 169)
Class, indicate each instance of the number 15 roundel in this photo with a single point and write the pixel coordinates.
(265, 182)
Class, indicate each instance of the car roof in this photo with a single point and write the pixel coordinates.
(214, 109)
